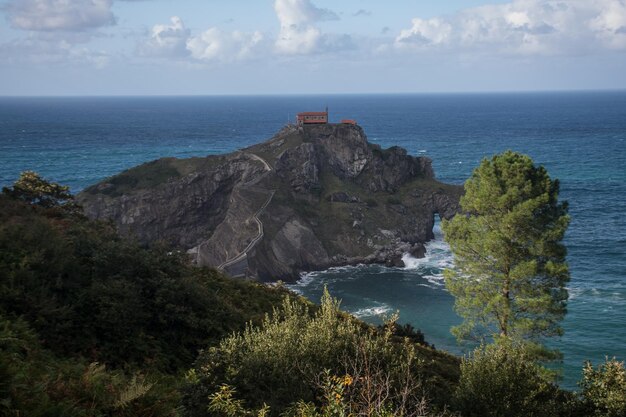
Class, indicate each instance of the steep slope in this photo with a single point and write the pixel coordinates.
(309, 198)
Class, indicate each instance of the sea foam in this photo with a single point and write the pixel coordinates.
(375, 311)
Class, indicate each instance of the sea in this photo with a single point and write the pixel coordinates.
(580, 137)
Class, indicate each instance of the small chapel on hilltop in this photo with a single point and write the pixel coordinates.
(312, 117)
(317, 117)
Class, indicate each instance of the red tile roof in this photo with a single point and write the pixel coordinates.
(313, 113)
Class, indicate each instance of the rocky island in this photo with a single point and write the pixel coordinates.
(311, 197)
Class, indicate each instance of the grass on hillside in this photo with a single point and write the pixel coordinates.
(152, 174)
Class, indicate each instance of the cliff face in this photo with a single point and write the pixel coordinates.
(309, 198)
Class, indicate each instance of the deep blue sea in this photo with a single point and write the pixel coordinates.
(579, 137)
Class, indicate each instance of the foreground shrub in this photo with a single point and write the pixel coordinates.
(74, 296)
(289, 358)
(604, 388)
(88, 292)
(502, 380)
(36, 383)
(335, 402)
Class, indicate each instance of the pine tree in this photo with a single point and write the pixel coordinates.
(510, 271)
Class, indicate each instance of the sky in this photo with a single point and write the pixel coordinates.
(205, 47)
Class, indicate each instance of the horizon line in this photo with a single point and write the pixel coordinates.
(425, 93)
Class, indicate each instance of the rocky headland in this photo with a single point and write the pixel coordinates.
(309, 198)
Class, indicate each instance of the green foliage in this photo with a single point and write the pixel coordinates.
(510, 271)
(33, 189)
(145, 176)
(282, 362)
(88, 292)
(604, 388)
(335, 402)
(223, 403)
(407, 331)
(74, 294)
(501, 380)
(34, 383)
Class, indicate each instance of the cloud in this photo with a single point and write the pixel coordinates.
(59, 15)
(301, 12)
(216, 45)
(175, 41)
(610, 24)
(527, 27)
(426, 32)
(167, 40)
(298, 34)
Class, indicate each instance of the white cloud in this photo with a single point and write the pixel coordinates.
(174, 40)
(528, 27)
(301, 12)
(426, 32)
(298, 34)
(216, 45)
(610, 24)
(167, 40)
(59, 15)
(294, 40)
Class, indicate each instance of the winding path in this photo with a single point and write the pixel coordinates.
(258, 158)
(254, 241)
(255, 217)
(258, 237)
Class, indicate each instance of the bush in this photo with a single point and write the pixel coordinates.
(34, 383)
(33, 189)
(75, 296)
(284, 361)
(500, 380)
(604, 388)
(88, 292)
(409, 332)
(334, 403)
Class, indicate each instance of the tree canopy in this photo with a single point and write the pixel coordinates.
(33, 189)
(510, 271)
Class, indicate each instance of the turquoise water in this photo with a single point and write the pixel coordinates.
(374, 292)
(579, 137)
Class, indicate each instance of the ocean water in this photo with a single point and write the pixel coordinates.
(579, 137)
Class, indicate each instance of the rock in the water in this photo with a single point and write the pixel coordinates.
(418, 250)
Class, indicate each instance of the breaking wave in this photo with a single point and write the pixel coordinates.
(375, 311)
(437, 258)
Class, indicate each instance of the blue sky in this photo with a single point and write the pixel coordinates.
(167, 47)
